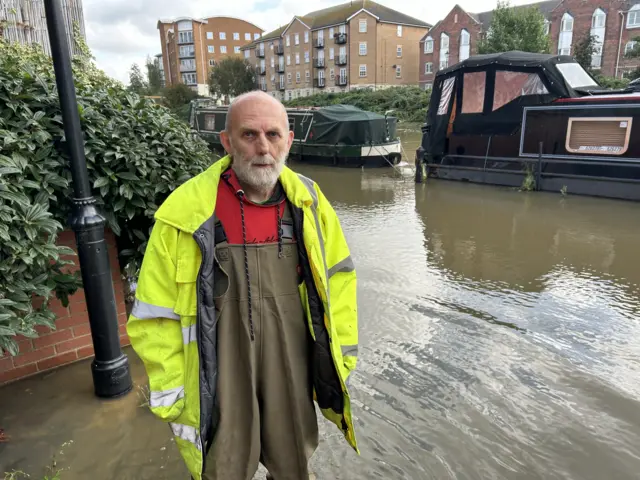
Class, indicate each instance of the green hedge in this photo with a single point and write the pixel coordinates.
(137, 153)
(410, 103)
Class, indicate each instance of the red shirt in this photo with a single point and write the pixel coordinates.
(261, 220)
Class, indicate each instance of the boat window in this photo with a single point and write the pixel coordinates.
(292, 123)
(210, 122)
(575, 75)
(445, 96)
(473, 92)
(511, 85)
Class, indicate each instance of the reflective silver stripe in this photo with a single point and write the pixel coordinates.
(166, 398)
(146, 310)
(350, 350)
(310, 186)
(189, 334)
(345, 265)
(185, 432)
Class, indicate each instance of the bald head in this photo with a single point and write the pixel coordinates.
(254, 100)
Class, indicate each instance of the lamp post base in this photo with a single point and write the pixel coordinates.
(111, 379)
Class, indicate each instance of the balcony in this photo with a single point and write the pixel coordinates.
(278, 49)
(341, 80)
(187, 53)
(340, 38)
(341, 60)
(319, 42)
(281, 86)
(185, 37)
(188, 67)
(280, 68)
(319, 62)
(319, 82)
(260, 52)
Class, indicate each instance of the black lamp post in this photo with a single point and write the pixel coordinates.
(110, 367)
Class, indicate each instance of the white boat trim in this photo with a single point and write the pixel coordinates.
(379, 150)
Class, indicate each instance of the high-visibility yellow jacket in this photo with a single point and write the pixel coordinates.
(172, 326)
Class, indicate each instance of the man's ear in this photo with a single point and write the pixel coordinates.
(290, 139)
(226, 141)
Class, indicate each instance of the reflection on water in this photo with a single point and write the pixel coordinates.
(500, 332)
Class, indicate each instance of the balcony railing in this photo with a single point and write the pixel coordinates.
(190, 53)
(319, 42)
(278, 49)
(341, 60)
(280, 68)
(260, 52)
(319, 82)
(188, 68)
(340, 38)
(318, 62)
(342, 80)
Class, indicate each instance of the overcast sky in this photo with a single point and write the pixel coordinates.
(123, 32)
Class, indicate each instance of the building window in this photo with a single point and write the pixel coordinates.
(428, 68)
(307, 75)
(209, 35)
(187, 65)
(363, 26)
(212, 62)
(331, 53)
(428, 45)
(247, 53)
(363, 71)
(185, 37)
(297, 59)
(332, 73)
(223, 49)
(288, 59)
(247, 37)
(633, 19)
(566, 35)
(236, 49)
(189, 78)
(289, 78)
(223, 36)
(288, 40)
(428, 86)
(185, 25)
(444, 51)
(398, 71)
(399, 33)
(547, 26)
(306, 36)
(236, 36)
(306, 56)
(465, 44)
(297, 77)
(399, 51)
(630, 46)
(273, 62)
(187, 51)
(256, 36)
(296, 39)
(363, 48)
(331, 32)
(598, 28)
(211, 49)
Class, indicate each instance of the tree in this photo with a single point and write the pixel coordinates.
(154, 77)
(231, 77)
(584, 50)
(137, 83)
(177, 98)
(515, 28)
(137, 153)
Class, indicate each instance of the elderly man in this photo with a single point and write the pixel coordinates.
(245, 308)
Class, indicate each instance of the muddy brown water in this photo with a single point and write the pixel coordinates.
(499, 339)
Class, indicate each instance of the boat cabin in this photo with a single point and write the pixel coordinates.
(498, 118)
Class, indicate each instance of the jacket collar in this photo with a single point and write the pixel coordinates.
(193, 203)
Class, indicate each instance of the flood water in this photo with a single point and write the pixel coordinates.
(499, 339)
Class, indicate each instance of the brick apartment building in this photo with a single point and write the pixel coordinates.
(614, 22)
(191, 46)
(352, 45)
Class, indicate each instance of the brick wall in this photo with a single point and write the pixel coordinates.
(71, 340)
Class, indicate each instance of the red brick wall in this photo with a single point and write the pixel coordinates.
(582, 12)
(71, 340)
(452, 25)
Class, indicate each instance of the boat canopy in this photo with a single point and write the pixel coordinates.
(346, 124)
(485, 94)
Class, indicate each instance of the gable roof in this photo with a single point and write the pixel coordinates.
(545, 8)
(338, 14)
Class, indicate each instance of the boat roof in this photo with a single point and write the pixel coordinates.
(513, 58)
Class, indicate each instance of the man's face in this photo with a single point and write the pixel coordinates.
(259, 142)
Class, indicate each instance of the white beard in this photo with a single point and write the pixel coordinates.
(262, 179)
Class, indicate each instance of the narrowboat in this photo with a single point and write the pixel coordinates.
(534, 121)
(339, 135)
